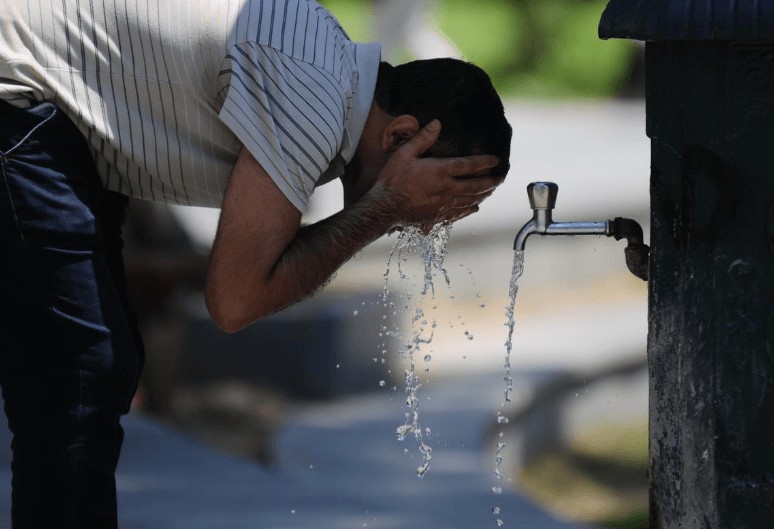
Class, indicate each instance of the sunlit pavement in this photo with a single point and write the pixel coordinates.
(339, 465)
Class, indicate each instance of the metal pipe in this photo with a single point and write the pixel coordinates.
(542, 200)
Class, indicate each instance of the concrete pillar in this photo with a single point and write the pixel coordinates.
(710, 116)
(711, 297)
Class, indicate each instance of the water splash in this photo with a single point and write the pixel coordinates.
(432, 248)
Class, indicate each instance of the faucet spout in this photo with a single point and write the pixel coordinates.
(521, 238)
(542, 199)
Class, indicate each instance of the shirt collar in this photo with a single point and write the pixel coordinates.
(367, 57)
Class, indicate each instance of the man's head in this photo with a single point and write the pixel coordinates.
(410, 95)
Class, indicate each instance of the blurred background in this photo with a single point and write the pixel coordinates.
(576, 430)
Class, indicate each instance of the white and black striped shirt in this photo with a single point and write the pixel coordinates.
(167, 92)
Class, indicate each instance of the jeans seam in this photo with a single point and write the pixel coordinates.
(43, 291)
(5, 155)
(4, 161)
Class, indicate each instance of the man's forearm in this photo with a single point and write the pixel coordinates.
(321, 248)
(242, 290)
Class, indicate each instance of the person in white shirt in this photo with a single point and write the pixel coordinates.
(245, 105)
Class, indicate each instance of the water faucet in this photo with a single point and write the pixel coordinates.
(542, 199)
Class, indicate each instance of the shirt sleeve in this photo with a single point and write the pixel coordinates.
(288, 113)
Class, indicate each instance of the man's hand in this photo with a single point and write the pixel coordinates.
(426, 191)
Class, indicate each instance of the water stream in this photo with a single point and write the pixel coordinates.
(432, 249)
(513, 290)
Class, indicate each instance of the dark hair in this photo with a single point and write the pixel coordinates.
(457, 93)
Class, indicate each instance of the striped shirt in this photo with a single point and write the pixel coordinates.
(167, 92)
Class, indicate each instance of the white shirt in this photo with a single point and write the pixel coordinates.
(167, 92)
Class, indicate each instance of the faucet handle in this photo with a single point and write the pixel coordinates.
(542, 195)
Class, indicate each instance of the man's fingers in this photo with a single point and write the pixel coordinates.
(422, 140)
(481, 185)
(455, 214)
(467, 166)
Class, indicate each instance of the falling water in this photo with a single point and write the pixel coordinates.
(513, 290)
(432, 248)
(518, 269)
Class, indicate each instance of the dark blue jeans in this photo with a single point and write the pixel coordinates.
(70, 353)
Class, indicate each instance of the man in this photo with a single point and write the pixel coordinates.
(242, 104)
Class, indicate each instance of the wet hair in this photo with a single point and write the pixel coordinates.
(457, 93)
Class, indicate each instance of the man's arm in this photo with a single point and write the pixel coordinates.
(262, 260)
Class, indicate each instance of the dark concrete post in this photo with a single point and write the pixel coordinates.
(710, 116)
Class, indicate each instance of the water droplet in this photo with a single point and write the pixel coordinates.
(382, 383)
(311, 467)
(495, 510)
(338, 366)
(428, 358)
(354, 313)
(500, 523)
(292, 511)
(497, 490)
(402, 431)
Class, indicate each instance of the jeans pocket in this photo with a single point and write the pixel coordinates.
(47, 184)
(19, 125)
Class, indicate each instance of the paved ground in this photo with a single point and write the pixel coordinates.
(339, 465)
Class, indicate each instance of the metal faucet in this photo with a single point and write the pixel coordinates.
(542, 199)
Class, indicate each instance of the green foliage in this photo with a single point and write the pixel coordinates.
(355, 16)
(638, 519)
(536, 48)
(572, 59)
(491, 34)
